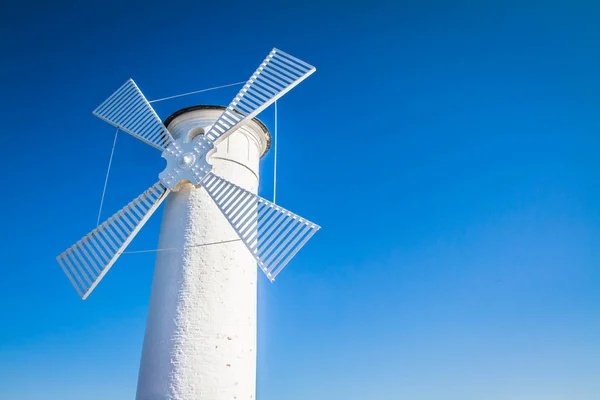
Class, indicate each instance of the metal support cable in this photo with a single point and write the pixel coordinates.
(112, 152)
(180, 248)
(275, 158)
(197, 91)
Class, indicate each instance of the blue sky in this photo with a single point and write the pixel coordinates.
(448, 149)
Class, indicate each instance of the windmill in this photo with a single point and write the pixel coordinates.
(200, 335)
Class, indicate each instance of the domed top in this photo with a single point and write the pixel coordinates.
(178, 113)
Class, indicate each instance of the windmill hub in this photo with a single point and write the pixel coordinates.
(186, 161)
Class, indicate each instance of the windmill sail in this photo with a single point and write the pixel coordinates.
(272, 234)
(128, 110)
(277, 75)
(87, 261)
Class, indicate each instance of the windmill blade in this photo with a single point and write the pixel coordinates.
(271, 233)
(87, 261)
(128, 110)
(276, 76)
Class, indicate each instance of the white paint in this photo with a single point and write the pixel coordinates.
(200, 341)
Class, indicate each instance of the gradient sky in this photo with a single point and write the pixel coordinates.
(449, 150)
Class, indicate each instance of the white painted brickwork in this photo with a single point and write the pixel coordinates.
(200, 341)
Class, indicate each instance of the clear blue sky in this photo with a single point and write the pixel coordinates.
(449, 150)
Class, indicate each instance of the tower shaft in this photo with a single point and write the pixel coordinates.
(200, 340)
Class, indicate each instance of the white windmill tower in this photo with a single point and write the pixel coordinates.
(200, 336)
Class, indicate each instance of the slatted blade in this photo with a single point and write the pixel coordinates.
(277, 75)
(128, 110)
(272, 234)
(87, 261)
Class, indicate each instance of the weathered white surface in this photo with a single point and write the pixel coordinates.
(200, 341)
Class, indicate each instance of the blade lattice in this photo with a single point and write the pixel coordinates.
(272, 234)
(277, 75)
(128, 110)
(87, 261)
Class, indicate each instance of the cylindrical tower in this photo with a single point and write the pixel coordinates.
(200, 341)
